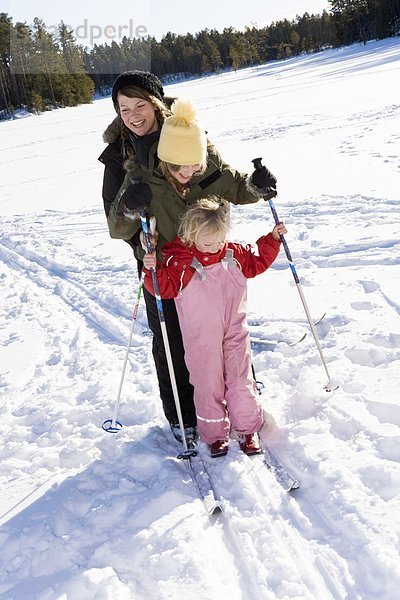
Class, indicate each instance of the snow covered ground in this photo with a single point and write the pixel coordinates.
(93, 516)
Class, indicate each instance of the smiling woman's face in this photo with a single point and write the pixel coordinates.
(137, 114)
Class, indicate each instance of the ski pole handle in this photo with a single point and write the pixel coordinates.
(268, 195)
(146, 231)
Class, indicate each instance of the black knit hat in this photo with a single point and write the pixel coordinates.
(140, 79)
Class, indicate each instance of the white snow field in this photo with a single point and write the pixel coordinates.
(87, 515)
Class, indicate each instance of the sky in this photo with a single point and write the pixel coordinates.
(97, 22)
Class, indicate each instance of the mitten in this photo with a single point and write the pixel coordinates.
(137, 196)
(263, 178)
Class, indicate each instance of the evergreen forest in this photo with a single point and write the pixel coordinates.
(42, 69)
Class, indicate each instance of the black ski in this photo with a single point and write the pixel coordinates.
(201, 479)
(197, 473)
(274, 466)
(270, 344)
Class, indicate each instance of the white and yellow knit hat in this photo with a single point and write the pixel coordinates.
(182, 139)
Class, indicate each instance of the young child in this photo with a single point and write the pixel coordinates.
(207, 277)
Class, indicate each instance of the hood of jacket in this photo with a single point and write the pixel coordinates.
(112, 133)
(112, 136)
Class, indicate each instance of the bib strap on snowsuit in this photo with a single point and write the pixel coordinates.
(196, 264)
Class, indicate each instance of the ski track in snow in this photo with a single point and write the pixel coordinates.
(89, 515)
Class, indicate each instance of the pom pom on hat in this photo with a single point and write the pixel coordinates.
(182, 139)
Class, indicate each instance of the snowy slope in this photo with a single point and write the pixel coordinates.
(89, 515)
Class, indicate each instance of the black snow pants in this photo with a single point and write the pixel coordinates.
(185, 388)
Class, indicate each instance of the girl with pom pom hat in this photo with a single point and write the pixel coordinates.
(186, 167)
(182, 140)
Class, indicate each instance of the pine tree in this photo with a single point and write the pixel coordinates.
(78, 87)
(5, 99)
(47, 64)
(351, 20)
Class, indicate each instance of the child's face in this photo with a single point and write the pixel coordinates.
(183, 174)
(210, 242)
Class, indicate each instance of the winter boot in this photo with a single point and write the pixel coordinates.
(250, 443)
(219, 448)
(190, 434)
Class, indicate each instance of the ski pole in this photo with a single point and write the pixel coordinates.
(269, 195)
(187, 453)
(112, 425)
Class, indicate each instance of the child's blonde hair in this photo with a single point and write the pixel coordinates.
(207, 215)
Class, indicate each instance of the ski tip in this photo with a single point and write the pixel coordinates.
(320, 319)
(213, 507)
(303, 337)
(215, 510)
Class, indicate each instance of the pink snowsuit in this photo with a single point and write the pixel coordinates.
(211, 297)
(212, 316)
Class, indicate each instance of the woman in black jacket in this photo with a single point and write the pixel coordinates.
(141, 106)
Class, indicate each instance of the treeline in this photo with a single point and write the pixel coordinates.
(210, 51)
(39, 69)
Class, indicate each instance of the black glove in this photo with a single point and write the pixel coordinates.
(137, 195)
(262, 178)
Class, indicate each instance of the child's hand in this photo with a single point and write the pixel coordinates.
(150, 260)
(153, 235)
(279, 230)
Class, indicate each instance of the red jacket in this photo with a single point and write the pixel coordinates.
(175, 271)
